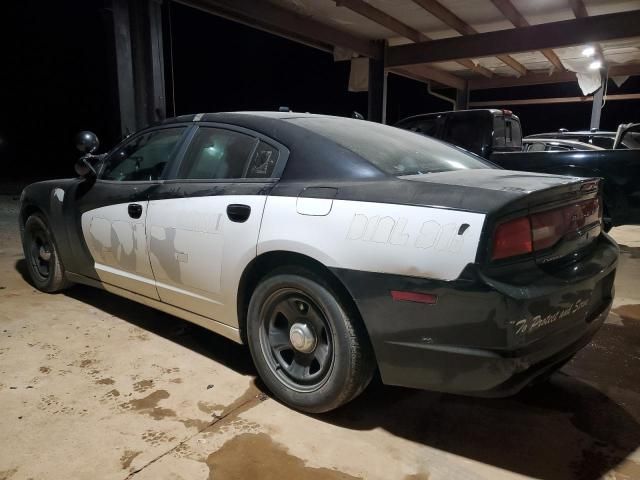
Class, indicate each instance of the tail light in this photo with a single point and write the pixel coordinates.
(512, 238)
(543, 230)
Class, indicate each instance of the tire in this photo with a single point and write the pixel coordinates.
(43, 262)
(333, 361)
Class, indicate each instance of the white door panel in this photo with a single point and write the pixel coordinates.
(118, 246)
(198, 254)
(376, 237)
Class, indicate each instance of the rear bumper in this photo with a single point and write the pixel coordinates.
(484, 337)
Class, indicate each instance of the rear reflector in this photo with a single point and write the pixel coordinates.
(400, 296)
(512, 238)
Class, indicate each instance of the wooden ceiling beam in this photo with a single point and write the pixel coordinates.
(543, 78)
(476, 67)
(285, 23)
(381, 18)
(536, 37)
(514, 16)
(450, 19)
(580, 11)
(391, 23)
(424, 73)
(546, 101)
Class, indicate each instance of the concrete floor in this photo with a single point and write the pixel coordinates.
(94, 386)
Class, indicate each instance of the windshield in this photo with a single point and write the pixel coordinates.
(393, 150)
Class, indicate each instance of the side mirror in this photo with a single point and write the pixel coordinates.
(87, 142)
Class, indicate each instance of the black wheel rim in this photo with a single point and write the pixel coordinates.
(301, 371)
(40, 253)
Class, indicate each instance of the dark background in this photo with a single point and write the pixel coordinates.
(55, 80)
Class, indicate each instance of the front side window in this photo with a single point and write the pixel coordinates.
(604, 142)
(143, 158)
(536, 147)
(216, 154)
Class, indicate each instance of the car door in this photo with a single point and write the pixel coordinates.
(203, 223)
(110, 213)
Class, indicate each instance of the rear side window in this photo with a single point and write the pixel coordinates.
(216, 154)
(262, 162)
(393, 150)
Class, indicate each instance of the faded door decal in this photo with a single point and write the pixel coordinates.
(118, 246)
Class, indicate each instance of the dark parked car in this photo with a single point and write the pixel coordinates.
(598, 138)
(482, 131)
(544, 144)
(334, 247)
(496, 136)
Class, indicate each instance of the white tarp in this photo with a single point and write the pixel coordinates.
(359, 75)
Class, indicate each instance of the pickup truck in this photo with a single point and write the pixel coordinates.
(496, 135)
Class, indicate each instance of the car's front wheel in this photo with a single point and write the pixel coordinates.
(309, 348)
(43, 262)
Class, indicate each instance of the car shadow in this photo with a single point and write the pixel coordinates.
(566, 428)
(186, 334)
(196, 338)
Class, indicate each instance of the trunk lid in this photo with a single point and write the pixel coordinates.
(565, 212)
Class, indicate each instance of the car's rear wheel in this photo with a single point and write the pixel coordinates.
(309, 348)
(43, 262)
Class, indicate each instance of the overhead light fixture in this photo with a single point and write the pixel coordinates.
(595, 65)
(589, 51)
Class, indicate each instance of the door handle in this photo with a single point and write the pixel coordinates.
(135, 210)
(238, 212)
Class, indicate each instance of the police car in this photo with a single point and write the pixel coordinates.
(334, 248)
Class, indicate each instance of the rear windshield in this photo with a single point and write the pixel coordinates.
(393, 150)
(506, 133)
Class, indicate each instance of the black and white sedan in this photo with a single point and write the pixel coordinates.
(334, 247)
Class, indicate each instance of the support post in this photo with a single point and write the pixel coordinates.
(139, 63)
(384, 98)
(462, 97)
(123, 66)
(596, 107)
(377, 86)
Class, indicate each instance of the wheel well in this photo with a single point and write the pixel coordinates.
(26, 212)
(267, 262)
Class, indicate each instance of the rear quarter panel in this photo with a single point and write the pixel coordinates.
(375, 237)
